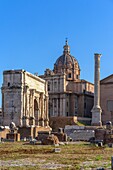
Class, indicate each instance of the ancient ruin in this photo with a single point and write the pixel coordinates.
(29, 101)
(96, 111)
(24, 99)
(13, 135)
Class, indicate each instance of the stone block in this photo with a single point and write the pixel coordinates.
(50, 140)
(61, 136)
(13, 136)
(74, 127)
(57, 150)
(82, 135)
(100, 144)
(26, 132)
(110, 145)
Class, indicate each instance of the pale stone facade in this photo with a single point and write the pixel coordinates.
(106, 98)
(68, 94)
(24, 99)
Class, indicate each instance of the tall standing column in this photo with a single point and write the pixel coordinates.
(61, 110)
(42, 108)
(64, 107)
(33, 117)
(96, 111)
(57, 106)
(47, 117)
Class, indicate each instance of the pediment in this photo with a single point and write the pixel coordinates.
(108, 79)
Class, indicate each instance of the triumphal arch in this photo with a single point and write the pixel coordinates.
(24, 99)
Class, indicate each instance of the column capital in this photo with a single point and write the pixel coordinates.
(97, 55)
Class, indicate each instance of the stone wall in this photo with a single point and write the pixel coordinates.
(79, 133)
(27, 132)
(106, 135)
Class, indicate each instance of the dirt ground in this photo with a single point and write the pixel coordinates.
(75, 156)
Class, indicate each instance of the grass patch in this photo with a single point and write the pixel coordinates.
(79, 156)
(98, 158)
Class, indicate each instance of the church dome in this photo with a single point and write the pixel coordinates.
(66, 62)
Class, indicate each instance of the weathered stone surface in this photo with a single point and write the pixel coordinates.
(96, 111)
(24, 99)
(79, 133)
(75, 127)
(82, 135)
(13, 136)
(61, 136)
(104, 134)
(28, 132)
(3, 132)
(50, 140)
(100, 134)
(57, 150)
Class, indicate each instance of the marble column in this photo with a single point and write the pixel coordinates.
(38, 100)
(53, 114)
(25, 118)
(57, 107)
(42, 108)
(46, 107)
(33, 117)
(64, 107)
(61, 107)
(96, 111)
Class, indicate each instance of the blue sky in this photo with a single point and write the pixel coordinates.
(33, 32)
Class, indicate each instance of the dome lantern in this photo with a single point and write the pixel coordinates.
(66, 48)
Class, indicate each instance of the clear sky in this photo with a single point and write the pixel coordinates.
(33, 32)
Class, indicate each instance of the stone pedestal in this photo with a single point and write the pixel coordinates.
(26, 132)
(96, 111)
(96, 117)
(13, 136)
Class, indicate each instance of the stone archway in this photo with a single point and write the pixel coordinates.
(36, 112)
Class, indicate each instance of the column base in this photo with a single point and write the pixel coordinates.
(96, 124)
(96, 117)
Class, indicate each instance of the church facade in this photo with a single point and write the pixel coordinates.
(24, 99)
(68, 94)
